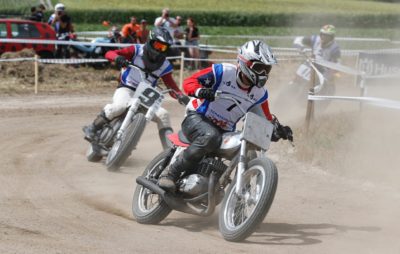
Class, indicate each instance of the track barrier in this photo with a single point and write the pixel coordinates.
(290, 54)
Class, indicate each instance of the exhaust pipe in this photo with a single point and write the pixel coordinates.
(151, 186)
(178, 203)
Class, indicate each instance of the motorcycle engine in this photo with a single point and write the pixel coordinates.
(196, 182)
(109, 130)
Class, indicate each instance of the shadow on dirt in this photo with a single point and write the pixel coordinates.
(299, 234)
(274, 233)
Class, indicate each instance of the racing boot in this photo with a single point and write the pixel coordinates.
(98, 123)
(169, 177)
(163, 133)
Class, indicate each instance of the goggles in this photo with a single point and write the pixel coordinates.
(159, 46)
(258, 68)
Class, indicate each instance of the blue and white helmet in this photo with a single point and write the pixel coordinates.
(255, 60)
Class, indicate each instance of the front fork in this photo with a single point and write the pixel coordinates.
(128, 118)
(242, 165)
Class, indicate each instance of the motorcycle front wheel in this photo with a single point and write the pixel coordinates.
(148, 207)
(123, 146)
(240, 215)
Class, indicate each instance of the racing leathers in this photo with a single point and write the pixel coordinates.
(129, 80)
(206, 120)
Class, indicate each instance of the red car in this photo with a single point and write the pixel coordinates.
(26, 29)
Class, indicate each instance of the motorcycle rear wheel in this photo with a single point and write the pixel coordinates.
(122, 148)
(240, 216)
(143, 209)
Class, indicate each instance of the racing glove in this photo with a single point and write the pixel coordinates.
(121, 62)
(205, 93)
(183, 99)
(280, 131)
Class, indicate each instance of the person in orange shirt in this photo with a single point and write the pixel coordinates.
(143, 32)
(129, 31)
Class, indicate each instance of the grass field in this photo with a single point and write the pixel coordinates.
(256, 6)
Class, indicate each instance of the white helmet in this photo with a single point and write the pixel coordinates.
(59, 7)
(255, 60)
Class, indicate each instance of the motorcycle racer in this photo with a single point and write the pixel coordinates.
(323, 47)
(151, 58)
(208, 117)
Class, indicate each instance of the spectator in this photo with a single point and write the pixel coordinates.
(143, 32)
(178, 32)
(33, 16)
(129, 31)
(166, 22)
(40, 12)
(192, 37)
(115, 35)
(60, 20)
(62, 24)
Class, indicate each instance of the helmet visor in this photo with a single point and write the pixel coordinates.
(159, 46)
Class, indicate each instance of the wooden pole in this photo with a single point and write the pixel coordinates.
(36, 64)
(310, 103)
(181, 70)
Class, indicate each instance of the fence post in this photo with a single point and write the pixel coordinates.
(310, 103)
(36, 64)
(181, 70)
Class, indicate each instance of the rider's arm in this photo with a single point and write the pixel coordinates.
(127, 52)
(201, 79)
(262, 110)
(170, 83)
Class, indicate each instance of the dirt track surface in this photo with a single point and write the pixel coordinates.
(53, 201)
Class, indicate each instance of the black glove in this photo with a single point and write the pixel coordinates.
(206, 93)
(121, 62)
(286, 133)
(183, 99)
(280, 131)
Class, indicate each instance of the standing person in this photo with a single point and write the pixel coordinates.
(207, 117)
(192, 37)
(178, 31)
(37, 13)
(129, 31)
(33, 15)
(151, 57)
(40, 12)
(62, 24)
(166, 21)
(143, 32)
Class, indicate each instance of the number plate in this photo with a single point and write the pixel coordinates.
(147, 94)
(257, 130)
(304, 71)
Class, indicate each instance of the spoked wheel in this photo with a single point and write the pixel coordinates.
(123, 146)
(240, 215)
(148, 207)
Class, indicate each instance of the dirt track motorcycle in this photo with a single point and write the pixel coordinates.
(117, 139)
(300, 87)
(238, 174)
(321, 84)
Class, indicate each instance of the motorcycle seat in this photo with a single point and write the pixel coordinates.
(183, 138)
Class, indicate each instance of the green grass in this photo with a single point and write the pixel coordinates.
(256, 6)
(389, 33)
